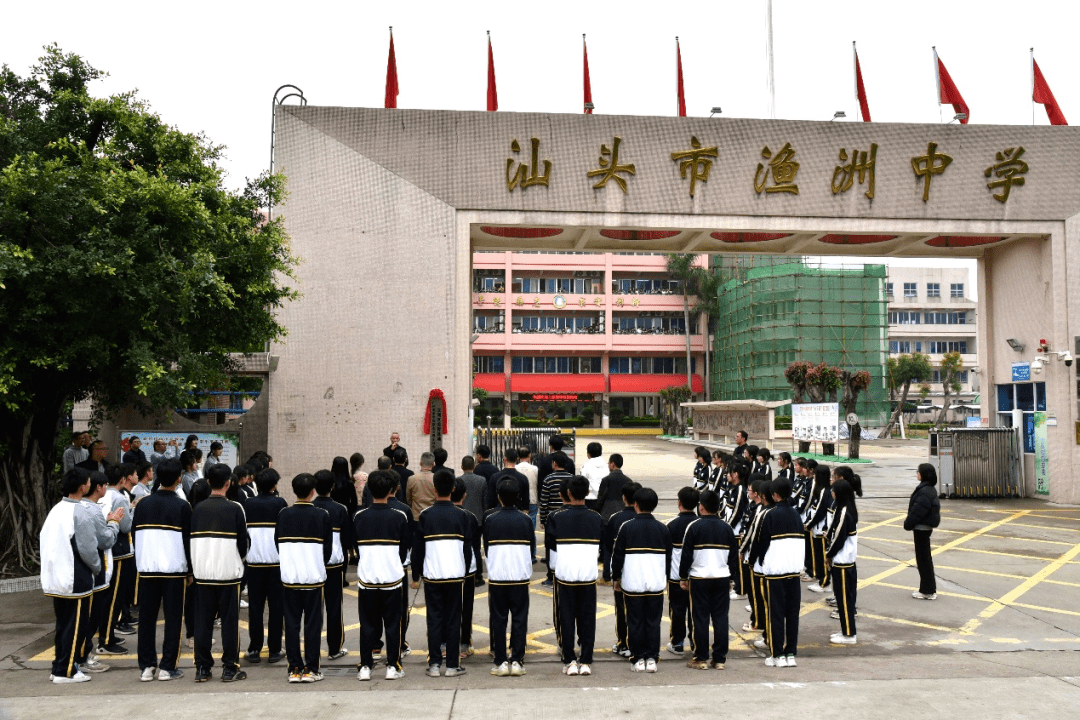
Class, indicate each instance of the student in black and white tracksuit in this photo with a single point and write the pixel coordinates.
(572, 538)
(779, 548)
(264, 569)
(758, 494)
(69, 562)
(640, 568)
(702, 468)
(610, 531)
(841, 554)
(107, 534)
(396, 503)
(341, 525)
(816, 523)
(442, 553)
(475, 575)
(717, 473)
(162, 529)
(736, 503)
(510, 546)
(708, 559)
(305, 543)
(383, 536)
(122, 581)
(679, 599)
(219, 543)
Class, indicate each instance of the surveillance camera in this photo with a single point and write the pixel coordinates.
(1037, 365)
(1068, 358)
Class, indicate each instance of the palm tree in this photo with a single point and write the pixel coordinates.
(681, 266)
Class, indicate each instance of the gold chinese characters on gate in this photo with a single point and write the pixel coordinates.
(775, 171)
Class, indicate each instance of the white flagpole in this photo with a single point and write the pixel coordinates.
(769, 54)
(855, 63)
(937, 83)
(1031, 68)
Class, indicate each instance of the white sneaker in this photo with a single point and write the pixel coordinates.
(815, 588)
(791, 661)
(749, 608)
(748, 627)
(517, 670)
(639, 666)
(433, 671)
(339, 654)
(675, 650)
(243, 604)
(502, 670)
(919, 596)
(760, 644)
(455, 671)
(781, 661)
(392, 673)
(148, 674)
(771, 662)
(650, 666)
(78, 677)
(841, 639)
(571, 668)
(583, 669)
(734, 595)
(93, 665)
(364, 674)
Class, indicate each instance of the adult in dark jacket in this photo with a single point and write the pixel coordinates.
(924, 514)
(609, 498)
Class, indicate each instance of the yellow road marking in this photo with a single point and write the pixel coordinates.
(1047, 609)
(902, 621)
(910, 588)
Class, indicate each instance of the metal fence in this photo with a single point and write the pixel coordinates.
(978, 462)
(536, 439)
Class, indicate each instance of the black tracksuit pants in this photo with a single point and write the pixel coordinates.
(845, 587)
(819, 543)
(508, 601)
(157, 594)
(212, 601)
(377, 609)
(468, 600)
(575, 615)
(782, 595)
(643, 613)
(925, 562)
(265, 592)
(678, 613)
(115, 599)
(620, 622)
(443, 600)
(333, 597)
(99, 602)
(303, 612)
(72, 615)
(758, 607)
(710, 602)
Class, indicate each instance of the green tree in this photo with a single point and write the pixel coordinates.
(707, 291)
(681, 267)
(674, 422)
(853, 383)
(128, 272)
(951, 365)
(902, 371)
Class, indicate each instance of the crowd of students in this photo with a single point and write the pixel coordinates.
(117, 549)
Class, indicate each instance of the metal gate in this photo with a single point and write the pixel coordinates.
(536, 439)
(984, 462)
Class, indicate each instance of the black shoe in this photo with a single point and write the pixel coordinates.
(202, 674)
(114, 648)
(252, 657)
(232, 674)
(125, 629)
(276, 658)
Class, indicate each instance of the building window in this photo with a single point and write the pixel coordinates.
(910, 290)
(888, 289)
(893, 349)
(900, 317)
(933, 290)
(1027, 397)
(956, 290)
(488, 364)
(947, 346)
(650, 366)
(946, 318)
(551, 365)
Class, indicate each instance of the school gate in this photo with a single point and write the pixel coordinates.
(386, 206)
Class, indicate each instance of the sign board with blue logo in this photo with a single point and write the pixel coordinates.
(1021, 372)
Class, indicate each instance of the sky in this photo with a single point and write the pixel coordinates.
(213, 67)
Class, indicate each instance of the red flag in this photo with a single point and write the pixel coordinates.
(682, 96)
(588, 83)
(492, 94)
(391, 76)
(947, 92)
(860, 91)
(1041, 94)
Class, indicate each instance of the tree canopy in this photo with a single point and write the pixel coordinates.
(128, 271)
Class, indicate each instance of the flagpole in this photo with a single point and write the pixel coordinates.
(769, 54)
(937, 83)
(1031, 69)
(678, 71)
(855, 75)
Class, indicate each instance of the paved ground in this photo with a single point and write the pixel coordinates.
(1003, 639)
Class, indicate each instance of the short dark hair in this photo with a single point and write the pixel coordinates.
(508, 492)
(383, 463)
(113, 474)
(324, 482)
(444, 483)
(742, 433)
(646, 499)
(560, 459)
(483, 451)
(302, 485)
(524, 452)
(400, 456)
(187, 459)
(440, 456)
(703, 453)
(74, 479)
(141, 468)
(130, 439)
(218, 475)
(594, 449)
(458, 493)
(510, 455)
(267, 479)
(710, 501)
(782, 487)
(169, 472)
(616, 460)
(556, 443)
(689, 497)
(381, 484)
(578, 487)
(927, 473)
(628, 491)
(97, 479)
(242, 471)
(215, 446)
(468, 462)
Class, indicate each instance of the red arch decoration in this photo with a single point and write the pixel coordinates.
(956, 241)
(732, 237)
(639, 234)
(521, 232)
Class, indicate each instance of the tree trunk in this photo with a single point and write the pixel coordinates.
(896, 413)
(27, 487)
(708, 359)
(849, 399)
(946, 383)
(854, 441)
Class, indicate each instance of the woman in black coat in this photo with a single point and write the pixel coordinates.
(924, 514)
